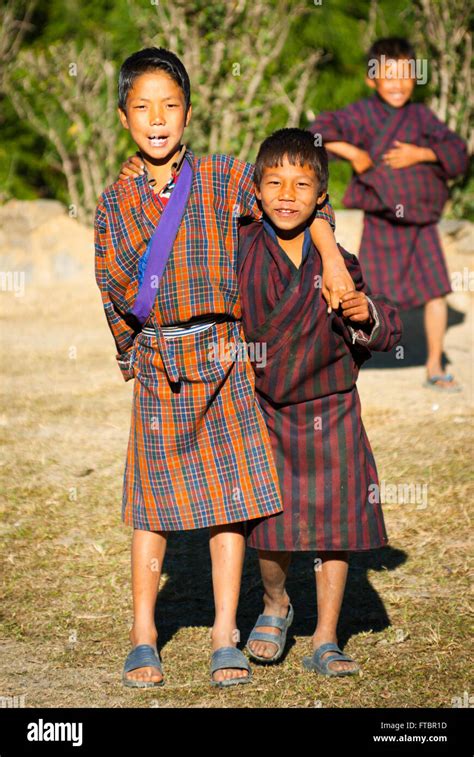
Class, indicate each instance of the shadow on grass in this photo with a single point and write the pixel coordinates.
(186, 600)
(413, 341)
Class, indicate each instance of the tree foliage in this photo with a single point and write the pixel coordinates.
(255, 65)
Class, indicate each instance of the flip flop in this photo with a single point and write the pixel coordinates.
(229, 657)
(279, 639)
(142, 656)
(431, 383)
(316, 663)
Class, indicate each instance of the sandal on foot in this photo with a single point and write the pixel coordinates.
(229, 657)
(279, 639)
(317, 663)
(142, 656)
(432, 383)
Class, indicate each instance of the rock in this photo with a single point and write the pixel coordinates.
(453, 226)
(349, 229)
(25, 215)
(40, 242)
(460, 232)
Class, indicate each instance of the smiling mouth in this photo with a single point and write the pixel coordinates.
(157, 141)
(285, 212)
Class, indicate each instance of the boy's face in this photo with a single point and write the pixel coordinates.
(395, 85)
(156, 115)
(289, 194)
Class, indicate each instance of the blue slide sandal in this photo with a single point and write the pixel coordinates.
(229, 657)
(273, 621)
(322, 665)
(142, 656)
(432, 383)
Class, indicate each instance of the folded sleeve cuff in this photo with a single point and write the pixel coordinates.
(358, 335)
(125, 362)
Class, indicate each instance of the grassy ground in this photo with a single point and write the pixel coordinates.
(66, 606)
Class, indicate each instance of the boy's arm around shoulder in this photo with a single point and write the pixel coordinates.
(242, 202)
(386, 331)
(122, 333)
(449, 148)
(240, 188)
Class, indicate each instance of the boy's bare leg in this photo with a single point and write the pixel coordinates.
(331, 576)
(274, 569)
(436, 321)
(148, 553)
(227, 548)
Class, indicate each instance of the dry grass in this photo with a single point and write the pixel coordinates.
(66, 604)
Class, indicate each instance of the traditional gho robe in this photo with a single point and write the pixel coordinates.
(199, 453)
(400, 252)
(306, 385)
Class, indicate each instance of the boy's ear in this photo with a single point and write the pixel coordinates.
(258, 194)
(123, 118)
(321, 198)
(188, 115)
(370, 82)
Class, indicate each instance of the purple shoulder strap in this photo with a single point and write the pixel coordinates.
(161, 244)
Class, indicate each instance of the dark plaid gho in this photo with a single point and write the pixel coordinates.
(400, 252)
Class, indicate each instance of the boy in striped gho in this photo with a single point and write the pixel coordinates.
(307, 390)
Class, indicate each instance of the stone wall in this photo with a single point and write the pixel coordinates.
(39, 238)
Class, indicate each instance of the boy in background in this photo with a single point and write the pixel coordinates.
(402, 156)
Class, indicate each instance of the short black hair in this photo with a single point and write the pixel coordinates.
(299, 147)
(395, 48)
(152, 59)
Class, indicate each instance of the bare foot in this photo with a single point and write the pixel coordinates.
(334, 665)
(266, 648)
(148, 674)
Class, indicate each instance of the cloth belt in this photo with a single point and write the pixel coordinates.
(175, 331)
